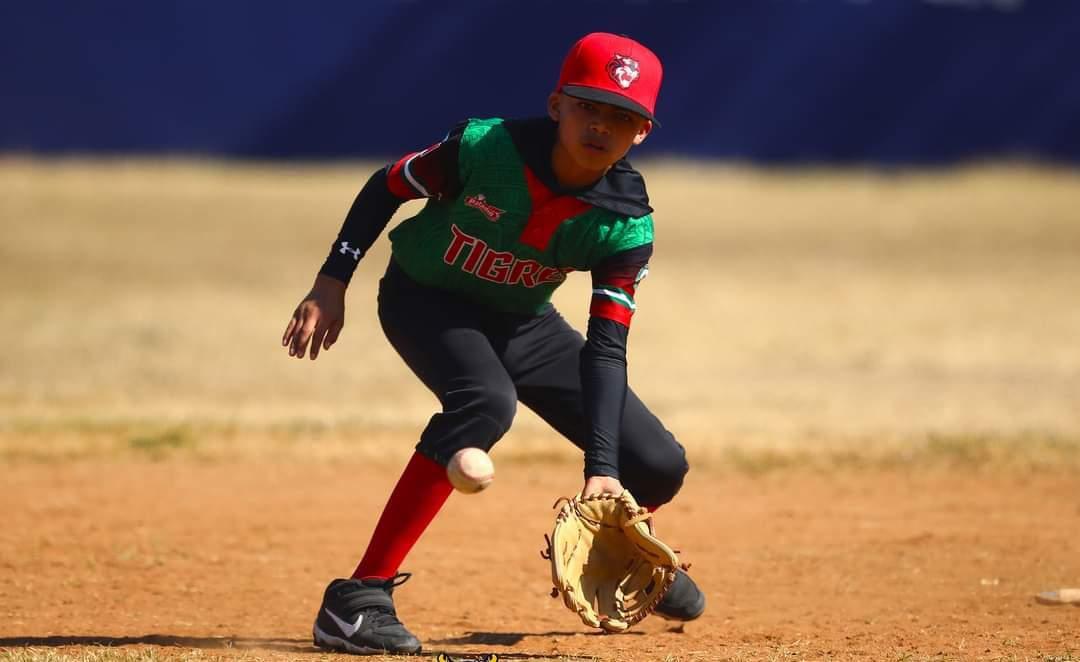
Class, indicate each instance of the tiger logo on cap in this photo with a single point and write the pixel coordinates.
(623, 70)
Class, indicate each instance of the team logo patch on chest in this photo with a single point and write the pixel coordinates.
(489, 210)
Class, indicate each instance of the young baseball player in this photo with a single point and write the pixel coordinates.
(513, 206)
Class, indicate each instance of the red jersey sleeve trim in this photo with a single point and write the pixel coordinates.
(401, 183)
(606, 308)
(431, 173)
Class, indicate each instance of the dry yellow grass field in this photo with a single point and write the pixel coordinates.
(785, 309)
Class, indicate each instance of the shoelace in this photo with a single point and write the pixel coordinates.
(397, 580)
(380, 615)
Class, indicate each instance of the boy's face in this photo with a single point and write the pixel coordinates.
(595, 135)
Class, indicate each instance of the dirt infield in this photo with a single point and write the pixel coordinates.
(230, 558)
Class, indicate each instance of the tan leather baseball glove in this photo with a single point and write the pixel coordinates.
(605, 562)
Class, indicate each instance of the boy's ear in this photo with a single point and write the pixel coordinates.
(554, 100)
(643, 132)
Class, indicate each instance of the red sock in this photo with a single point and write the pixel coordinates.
(419, 494)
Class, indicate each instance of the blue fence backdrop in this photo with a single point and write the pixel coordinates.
(886, 81)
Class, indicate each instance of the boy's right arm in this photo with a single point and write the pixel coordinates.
(432, 173)
(320, 316)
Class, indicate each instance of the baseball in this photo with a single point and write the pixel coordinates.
(470, 470)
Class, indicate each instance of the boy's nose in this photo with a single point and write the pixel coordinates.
(599, 126)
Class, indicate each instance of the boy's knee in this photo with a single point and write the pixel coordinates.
(657, 480)
(477, 418)
(498, 406)
(670, 475)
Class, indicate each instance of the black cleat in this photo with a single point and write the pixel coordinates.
(357, 616)
(684, 601)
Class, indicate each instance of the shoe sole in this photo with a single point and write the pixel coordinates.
(330, 642)
(672, 619)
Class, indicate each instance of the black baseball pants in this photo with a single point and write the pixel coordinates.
(480, 363)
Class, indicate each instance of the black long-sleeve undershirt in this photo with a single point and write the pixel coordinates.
(603, 390)
(367, 218)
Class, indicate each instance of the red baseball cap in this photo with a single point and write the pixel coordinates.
(613, 69)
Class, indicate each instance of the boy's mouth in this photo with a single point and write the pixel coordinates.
(596, 147)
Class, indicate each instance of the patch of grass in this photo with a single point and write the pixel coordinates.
(1031, 450)
(158, 444)
(207, 440)
(967, 452)
(53, 440)
(756, 462)
(964, 450)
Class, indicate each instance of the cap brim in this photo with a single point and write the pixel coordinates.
(606, 96)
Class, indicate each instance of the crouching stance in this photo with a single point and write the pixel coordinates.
(513, 207)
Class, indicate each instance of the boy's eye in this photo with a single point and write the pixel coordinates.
(625, 117)
(585, 105)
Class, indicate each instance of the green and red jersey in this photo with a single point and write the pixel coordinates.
(498, 230)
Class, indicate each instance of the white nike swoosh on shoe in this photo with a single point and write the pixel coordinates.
(348, 629)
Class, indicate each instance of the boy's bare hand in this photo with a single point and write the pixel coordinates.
(601, 485)
(317, 319)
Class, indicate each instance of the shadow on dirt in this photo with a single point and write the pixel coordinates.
(293, 646)
(512, 656)
(514, 638)
(288, 645)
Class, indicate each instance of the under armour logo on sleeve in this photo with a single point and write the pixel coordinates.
(345, 250)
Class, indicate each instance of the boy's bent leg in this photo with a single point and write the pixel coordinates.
(440, 338)
(445, 348)
(417, 498)
(543, 358)
(447, 351)
(652, 463)
(357, 615)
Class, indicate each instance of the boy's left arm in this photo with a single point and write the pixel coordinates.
(603, 362)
